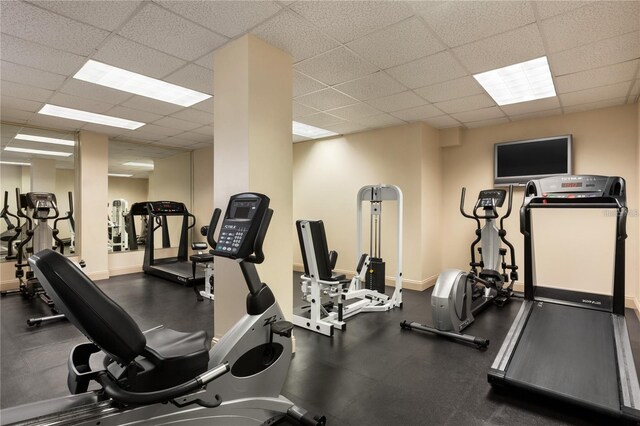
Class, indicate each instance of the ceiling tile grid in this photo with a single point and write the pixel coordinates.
(371, 86)
(335, 66)
(396, 102)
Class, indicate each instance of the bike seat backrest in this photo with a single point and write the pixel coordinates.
(98, 317)
(321, 251)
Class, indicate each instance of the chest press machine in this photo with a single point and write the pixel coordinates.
(365, 292)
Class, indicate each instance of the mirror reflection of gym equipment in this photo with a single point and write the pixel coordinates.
(118, 232)
(365, 292)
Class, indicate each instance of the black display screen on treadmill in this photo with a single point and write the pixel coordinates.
(242, 212)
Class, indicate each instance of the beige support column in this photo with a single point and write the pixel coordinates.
(43, 175)
(92, 167)
(253, 152)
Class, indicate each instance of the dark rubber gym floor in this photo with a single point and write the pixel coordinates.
(374, 373)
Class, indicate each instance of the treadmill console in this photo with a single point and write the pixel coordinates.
(490, 198)
(241, 224)
(576, 188)
(167, 208)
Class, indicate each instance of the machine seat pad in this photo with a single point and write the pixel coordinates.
(201, 258)
(173, 350)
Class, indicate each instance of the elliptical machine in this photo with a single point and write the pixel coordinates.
(8, 238)
(458, 296)
(163, 376)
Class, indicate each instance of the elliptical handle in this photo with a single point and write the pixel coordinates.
(213, 224)
(506, 215)
(465, 214)
(258, 256)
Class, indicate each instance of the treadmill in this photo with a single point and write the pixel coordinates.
(177, 269)
(571, 345)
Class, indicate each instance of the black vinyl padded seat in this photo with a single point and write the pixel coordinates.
(108, 326)
(325, 260)
(201, 258)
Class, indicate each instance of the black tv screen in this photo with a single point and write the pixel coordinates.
(520, 161)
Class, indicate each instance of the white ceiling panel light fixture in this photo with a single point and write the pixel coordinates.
(311, 132)
(138, 84)
(44, 139)
(120, 175)
(523, 82)
(38, 151)
(138, 164)
(15, 163)
(89, 117)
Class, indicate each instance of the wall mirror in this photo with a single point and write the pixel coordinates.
(36, 160)
(139, 173)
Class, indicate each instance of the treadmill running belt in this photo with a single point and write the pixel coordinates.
(569, 352)
(183, 269)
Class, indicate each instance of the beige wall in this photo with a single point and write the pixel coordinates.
(327, 175)
(605, 142)
(202, 190)
(132, 190)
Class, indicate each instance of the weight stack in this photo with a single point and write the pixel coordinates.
(374, 278)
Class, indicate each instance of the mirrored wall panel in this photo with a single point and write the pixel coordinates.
(139, 173)
(34, 160)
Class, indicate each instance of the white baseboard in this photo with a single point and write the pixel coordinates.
(125, 270)
(98, 275)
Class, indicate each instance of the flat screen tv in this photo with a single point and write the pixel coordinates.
(520, 161)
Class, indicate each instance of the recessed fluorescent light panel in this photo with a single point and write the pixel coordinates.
(44, 139)
(89, 117)
(311, 132)
(523, 82)
(135, 164)
(14, 163)
(127, 81)
(38, 151)
(119, 175)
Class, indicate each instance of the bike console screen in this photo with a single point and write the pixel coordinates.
(241, 224)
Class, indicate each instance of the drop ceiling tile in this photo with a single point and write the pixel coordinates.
(597, 21)
(635, 91)
(127, 54)
(538, 114)
(372, 86)
(177, 123)
(9, 102)
(346, 127)
(133, 114)
(458, 23)
(229, 18)
(605, 52)
(175, 142)
(478, 115)
(204, 130)
(595, 94)
(151, 105)
(595, 105)
(206, 106)
(354, 112)
(320, 119)
(21, 91)
(158, 132)
(347, 20)
(87, 90)
(303, 84)
(155, 27)
(106, 130)
(531, 106)
(206, 61)
(441, 122)
(548, 8)
(486, 123)
(466, 104)
(603, 76)
(196, 137)
(396, 102)
(195, 116)
(30, 76)
(201, 145)
(454, 89)
(397, 44)
(37, 56)
(325, 99)
(501, 50)
(193, 77)
(427, 71)
(335, 66)
(107, 15)
(15, 115)
(44, 27)
(292, 34)
(300, 110)
(382, 120)
(84, 104)
(417, 113)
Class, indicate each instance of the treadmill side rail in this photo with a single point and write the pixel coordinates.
(629, 387)
(500, 364)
